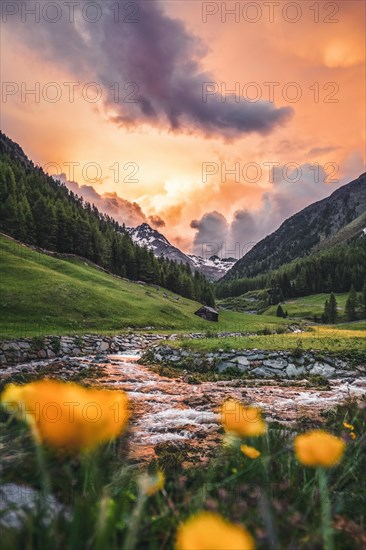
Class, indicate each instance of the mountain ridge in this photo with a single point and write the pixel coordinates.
(213, 268)
(304, 232)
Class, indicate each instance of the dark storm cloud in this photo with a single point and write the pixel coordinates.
(212, 232)
(162, 60)
(156, 221)
(283, 200)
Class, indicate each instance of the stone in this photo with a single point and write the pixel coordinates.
(241, 360)
(224, 365)
(293, 370)
(104, 346)
(323, 369)
(275, 364)
(267, 372)
(17, 501)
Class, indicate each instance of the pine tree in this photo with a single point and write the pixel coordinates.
(333, 314)
(351, 305)
(280, 312)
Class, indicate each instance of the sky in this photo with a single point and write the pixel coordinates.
(212, 121)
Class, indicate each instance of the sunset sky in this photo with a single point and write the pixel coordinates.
(173, 144)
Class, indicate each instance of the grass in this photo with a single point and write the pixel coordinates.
(322, 338)
(42, 295)
(308, 306)
(275, 497)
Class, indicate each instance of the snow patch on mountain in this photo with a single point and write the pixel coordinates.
(213, 267)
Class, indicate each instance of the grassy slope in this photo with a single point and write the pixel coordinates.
(40, 294)
(324, 338)
(308, 306)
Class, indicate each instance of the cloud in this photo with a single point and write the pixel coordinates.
(121, 210)
(322, 150)
(156, 221)
(212, 231)
(158, 65)
(290, 193)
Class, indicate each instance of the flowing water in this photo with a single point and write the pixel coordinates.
(170, 409)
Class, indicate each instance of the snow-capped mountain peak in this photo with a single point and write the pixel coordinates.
(213, 267)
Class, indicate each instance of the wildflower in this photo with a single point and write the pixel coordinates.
(243, 421)
(250, 452)
(68, 416)
(210, 531)
(319, 448)
(348, 426)
(152, 484)
(352, 435)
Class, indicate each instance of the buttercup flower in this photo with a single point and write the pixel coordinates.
(348, 426)
(210, 531)
(242, 421)
(152, 484)
(319, 448)
(250, 452)
(352, 435)
(68, 416)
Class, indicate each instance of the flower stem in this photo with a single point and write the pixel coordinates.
(326, 514)
(131, 537)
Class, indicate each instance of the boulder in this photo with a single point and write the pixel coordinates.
(17, 501)
(323, 369)
(267, 372)
(241, 360)
(275, 364)
(294, 370)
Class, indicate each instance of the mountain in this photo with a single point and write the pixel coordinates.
(213, 268)
(39, 211)
(333, 220)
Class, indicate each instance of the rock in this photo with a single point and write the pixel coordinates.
(224, 365)
(104, 346)
(293, 370)
(267, 372)
(42, 354)
(323, 370)
(18, 501)
(241, 360)
(275, 363)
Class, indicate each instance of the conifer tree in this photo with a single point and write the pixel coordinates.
(351, 305)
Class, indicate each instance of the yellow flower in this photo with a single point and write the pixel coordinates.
(209, 531)
(348, 426)
(152, 484)
(319, 448)
(68, 416)
(250, 452)
(352, 435)
(243, 421)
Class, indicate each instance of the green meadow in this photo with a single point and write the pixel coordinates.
(43, 295)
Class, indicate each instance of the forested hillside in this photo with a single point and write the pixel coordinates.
(320, 249)
(313, 228)
(40, 211)
(336, 269)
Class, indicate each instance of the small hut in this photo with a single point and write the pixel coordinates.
(208, 313)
